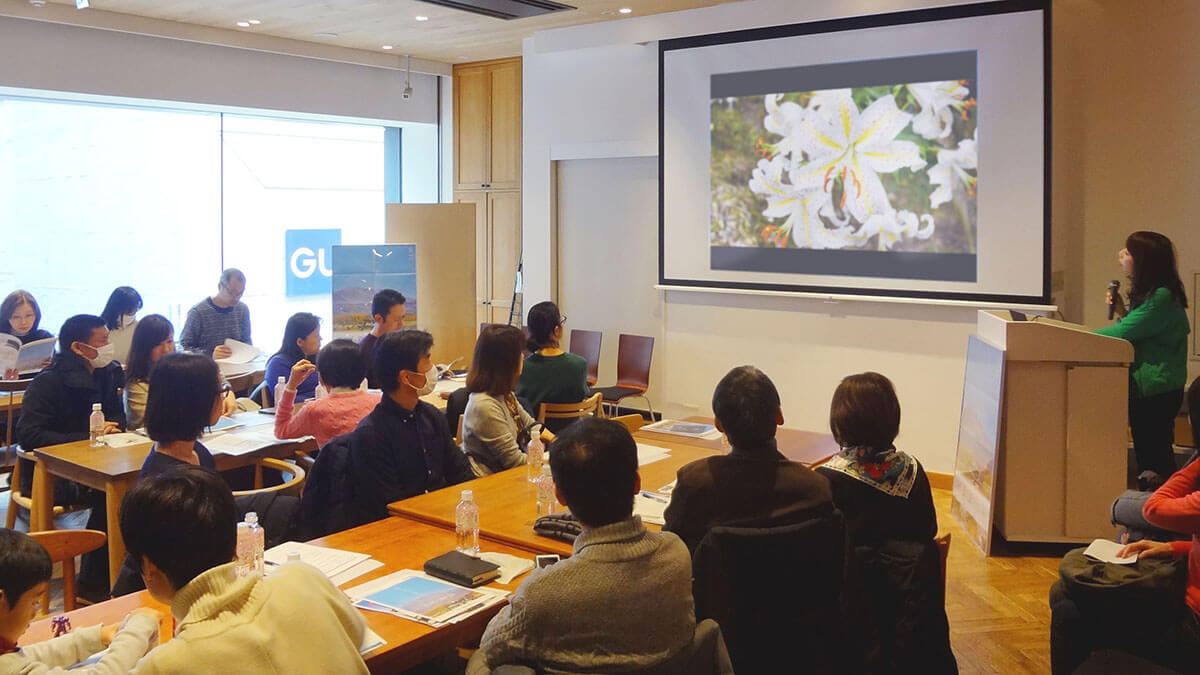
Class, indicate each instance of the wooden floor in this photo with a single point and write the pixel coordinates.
(997, 606)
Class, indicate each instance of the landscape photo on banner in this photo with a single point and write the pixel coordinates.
(361, 271)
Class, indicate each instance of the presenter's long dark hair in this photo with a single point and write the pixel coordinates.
(1153, 266)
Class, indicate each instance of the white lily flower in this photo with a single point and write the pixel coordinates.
(781, 119)
(799, 203)
(896, 226)
(855, 147)
(951, 168)
(938, 101)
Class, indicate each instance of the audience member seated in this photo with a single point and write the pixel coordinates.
(401, 449)
(120, 317)
(495, 426)
(301, 341)
(213, 319)
(154, 338)
(180, 528)
(340, 369)
(1167, 634)
(387, 309)
(890, 520)
(19, 317)
(25, 569)
(551, 375)
(623, 600)
(185, 398)
(754, 485)
(56, 409)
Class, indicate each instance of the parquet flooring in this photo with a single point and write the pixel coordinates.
(997, 607)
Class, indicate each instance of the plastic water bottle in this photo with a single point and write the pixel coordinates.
(258, 541)
(280, 387)
(96, 426)
(466, 524)
(244, 564)
(545, 492)
(535, 458)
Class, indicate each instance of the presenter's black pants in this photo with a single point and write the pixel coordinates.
(1152, 423)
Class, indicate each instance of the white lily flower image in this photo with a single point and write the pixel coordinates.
(939, 102)
(951, 170)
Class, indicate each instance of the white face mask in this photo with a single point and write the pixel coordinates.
(126, 321)
(104, 355)
(430, 382)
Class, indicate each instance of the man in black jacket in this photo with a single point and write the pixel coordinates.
(55, 410)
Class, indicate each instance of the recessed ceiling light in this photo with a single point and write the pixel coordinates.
(253, 22)
(325, 36)
(243, 24)
(462, 58)
(625, 10)
(38, 3)
(387, 46)
(422, 18)
(608, 12)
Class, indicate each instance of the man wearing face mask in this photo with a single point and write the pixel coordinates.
(56, 409)
(403, 448)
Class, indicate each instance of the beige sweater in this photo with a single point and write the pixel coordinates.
(294, 621)
(139, 633)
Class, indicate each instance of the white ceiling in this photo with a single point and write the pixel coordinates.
(449, 36)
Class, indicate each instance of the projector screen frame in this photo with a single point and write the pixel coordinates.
(849, 24)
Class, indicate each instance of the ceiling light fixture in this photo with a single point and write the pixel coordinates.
(253, 22)
(38, 3)
(625, 10)
(387, 47)
(422, 18)
(82, 4)
(325, 36)
(408, 78)
(243, 24)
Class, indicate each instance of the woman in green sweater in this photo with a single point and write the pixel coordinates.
(1157, 325)
(551, 375)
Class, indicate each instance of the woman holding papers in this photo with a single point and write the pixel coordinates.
(153, 339)
(1157, 325)
(20, 316)
(301, 340)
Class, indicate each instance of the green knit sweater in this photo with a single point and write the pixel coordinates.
(1158, 329)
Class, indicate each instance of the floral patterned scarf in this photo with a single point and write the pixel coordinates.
(890, 471)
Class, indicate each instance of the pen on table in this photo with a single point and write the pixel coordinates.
(655, 496)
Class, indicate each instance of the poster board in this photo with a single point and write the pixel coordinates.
(974, 489)
(359, 272)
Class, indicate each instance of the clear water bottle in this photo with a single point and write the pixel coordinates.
(96, 426)
(280, 387)
(244, 562)
(545, 493)
(535, 458)
(258, 540)
(466, 524)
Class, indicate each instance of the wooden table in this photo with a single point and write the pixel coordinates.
(113, 470)
(399, 543)
(810, 448)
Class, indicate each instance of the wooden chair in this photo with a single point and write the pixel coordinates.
(570, 411)
(16, 500)
(943, 544)
(292, 486)
(10, 388)
(586, 343)
(633, 371)
(63, 546)
(632, 422)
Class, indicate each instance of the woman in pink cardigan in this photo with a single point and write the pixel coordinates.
(340, 369)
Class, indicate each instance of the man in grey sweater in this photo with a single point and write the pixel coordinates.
(215, 318)
(623, 600)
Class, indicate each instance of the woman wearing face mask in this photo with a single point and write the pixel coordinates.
(119, 312)
(1157, 325)
(494, 420)
(301, 340)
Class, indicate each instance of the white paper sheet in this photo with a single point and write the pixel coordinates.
(650, 508)
(355, 571)
(330, 561)
(511, 566)
(648, 454)
(370, 642)
(123, 440)
(481, 598)
(1106, 551)
(242, 352)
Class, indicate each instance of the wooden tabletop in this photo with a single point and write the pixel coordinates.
(810, 448)
(399, 543)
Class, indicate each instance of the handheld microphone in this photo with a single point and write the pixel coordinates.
(1113, 287)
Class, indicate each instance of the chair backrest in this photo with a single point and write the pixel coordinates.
(632, 422)
(586, 343)
(293, 485)
(633, 360)
(63, 546)
(562, 411)
(776, 592)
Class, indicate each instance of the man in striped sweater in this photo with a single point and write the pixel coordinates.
(218, 317)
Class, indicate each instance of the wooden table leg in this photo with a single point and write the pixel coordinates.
(41, 515)
(114, 494)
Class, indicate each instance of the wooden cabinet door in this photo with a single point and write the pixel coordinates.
(504, 220)
(482, 276)
(471, 122)
(504, 147)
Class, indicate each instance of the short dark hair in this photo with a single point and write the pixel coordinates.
(78, 328)
(497, 358)
(544, 317)
(397, 351)
(23, 565)
(183, 390)
(384, 301)
(865, 412)
(10, 305)
(746, 404)
(150, 333)
(232, 274)
(595, 466)
(341, 364)
(123, 300)
(299, 326)
(183, 520)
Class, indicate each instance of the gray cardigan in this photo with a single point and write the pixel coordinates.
(622, 600)
(490, 434)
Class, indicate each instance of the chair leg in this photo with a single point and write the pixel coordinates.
(650, 406)
(68, 567)
(10, 518)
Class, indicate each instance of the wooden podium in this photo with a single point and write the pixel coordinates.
(1062, 450)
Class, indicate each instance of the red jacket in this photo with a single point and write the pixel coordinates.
(1176, 506)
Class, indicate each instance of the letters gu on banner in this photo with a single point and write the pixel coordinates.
(308, 261)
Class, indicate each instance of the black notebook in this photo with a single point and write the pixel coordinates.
(462, 569)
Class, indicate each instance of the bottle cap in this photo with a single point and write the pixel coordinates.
(243, 527)
(252, 517)
(468, 495)
(282, 380)
(98, 406)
